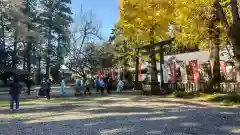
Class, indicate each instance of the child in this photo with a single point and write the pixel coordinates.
(15, 90)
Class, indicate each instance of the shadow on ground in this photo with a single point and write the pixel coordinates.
(121, 115)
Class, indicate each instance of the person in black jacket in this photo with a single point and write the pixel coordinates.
(109, 85)
(15, 90)
(28, 81)
(48, 88)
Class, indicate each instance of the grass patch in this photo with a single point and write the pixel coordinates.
(224, 99)
(180, 94)
(6, 102)
(35, 100)
(186, 95)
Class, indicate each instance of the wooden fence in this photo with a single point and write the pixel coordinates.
(224, 87)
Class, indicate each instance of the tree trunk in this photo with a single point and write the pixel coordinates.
(153, 72)
(138, 84)
(236, 48)
(14, 56)
(161, 69)
(214, 35)
(39, 70)
(3, 35)
(235, 37)
(48, 51)
(29, 54)
(232, 31)
(59, 50)
(137, 68)
(153, 69)
(24, 62)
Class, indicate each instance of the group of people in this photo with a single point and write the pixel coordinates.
(100, 84)
(45, 88)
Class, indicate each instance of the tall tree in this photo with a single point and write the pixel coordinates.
(232, 27)
(150, 20)
(56, 18)
(196, 23)
(82, 53)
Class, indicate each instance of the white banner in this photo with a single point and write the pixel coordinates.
(183, 71)
(165, 72)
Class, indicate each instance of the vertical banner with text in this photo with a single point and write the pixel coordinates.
(183, 71)
(99, 75)
(172, 68)
(195, 72)
(223, 67)
(165, 72)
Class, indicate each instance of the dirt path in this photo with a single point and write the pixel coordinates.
(119, 115)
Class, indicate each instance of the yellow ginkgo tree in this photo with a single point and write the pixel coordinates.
(148, 21)
(198, 24)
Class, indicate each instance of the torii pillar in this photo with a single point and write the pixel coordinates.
(150, 50)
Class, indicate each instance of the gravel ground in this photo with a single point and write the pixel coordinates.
(119, 115)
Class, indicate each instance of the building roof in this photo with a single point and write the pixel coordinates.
(202, 56)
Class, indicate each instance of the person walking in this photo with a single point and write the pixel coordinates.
(78, 87)
(43, 88)
(28, 81)
(97, 85)
(62, 92)
(109, 85)
(48, 88)
(101, 85)
(120, 86)
(15, 90)
(87, 86)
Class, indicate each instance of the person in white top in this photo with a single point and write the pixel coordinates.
(120, 86)
(87, 85)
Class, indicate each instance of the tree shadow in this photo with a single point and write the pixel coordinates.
(125, 119)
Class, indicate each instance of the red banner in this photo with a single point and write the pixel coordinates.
(99, 75)
(223, 67)
(195, 73)
(172, 68)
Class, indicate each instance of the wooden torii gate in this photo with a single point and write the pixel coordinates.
(150, 50)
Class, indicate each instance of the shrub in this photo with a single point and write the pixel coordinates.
(180, 94)
(229, 98)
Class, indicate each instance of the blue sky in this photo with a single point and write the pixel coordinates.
(106, 12)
